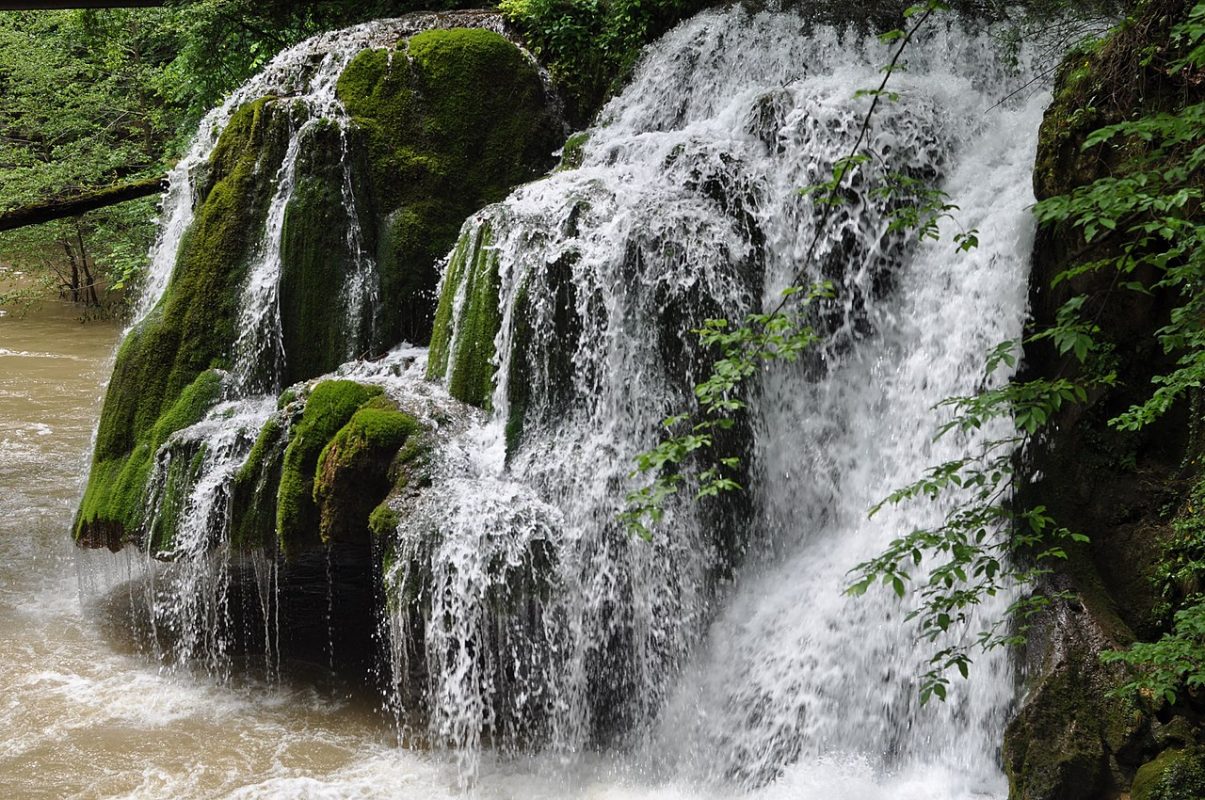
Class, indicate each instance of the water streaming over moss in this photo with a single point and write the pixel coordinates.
(517, 613)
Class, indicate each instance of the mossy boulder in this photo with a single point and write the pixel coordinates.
(322, 466)
(330, 406)
(452, 120)
(354, 470)
(191, 330)
(1073, 739)
(1173, 775)
(447, 122)
(573, 154)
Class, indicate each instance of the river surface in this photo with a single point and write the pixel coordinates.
(83, 714)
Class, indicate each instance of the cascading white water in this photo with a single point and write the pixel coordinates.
(724, 648)
(188, 601)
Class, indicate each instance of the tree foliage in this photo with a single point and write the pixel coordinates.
(91, 98)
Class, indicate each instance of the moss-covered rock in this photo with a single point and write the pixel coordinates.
(353, 473)
(452, 121)
(467, 319)
(316, 258)
(573, 154)
(330, 406)
(1121, 489)
(449, 121)
(1073, 740)
(253, 523)
(1173, 775)
(322, 469)
(113, 507)
(191, 330)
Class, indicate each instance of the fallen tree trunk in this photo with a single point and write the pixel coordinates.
(63, 207)
(45, 5)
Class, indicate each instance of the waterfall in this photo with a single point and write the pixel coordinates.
(306, 71)
(724, 648)
(518, 612)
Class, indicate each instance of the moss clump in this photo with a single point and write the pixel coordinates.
(182, 473)
(315, 261)
(331, 404)
(462, 345)
(193, 327)
(383, 521)
(1174, 775)
(353, 470)
(441, 335)
(451, 123)
(573, 154)
(113, 507)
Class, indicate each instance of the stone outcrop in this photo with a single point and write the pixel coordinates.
(1078, 735)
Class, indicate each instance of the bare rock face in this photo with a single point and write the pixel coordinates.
(1072, 740)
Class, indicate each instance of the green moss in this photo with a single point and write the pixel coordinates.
(352, 476)
(316, 259)
(268, 436)
(520, 392)
(462, 346)
(450, 125)
(193, 327)
(1174, 775)
(574, 151)
(368, 429)
(441, 336)
(331, 404)
(556, 353)
(182, 474)
(253, 522)
(286, 397)
(114, 502)
(1060, 743)
(383, 521)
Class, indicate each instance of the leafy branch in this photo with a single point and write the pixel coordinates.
(782, 334)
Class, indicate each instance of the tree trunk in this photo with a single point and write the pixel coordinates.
(64, 207)
(74, 285)
(92, 299)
